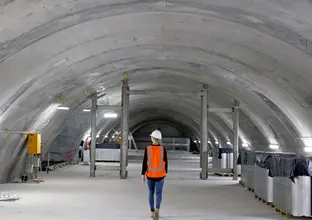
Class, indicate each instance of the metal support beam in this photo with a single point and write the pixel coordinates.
(109, 107)
(164, 93)
(124, 129)
(93, 135)
(204, 134)
(235, 141)
(131, 140)
(220, 110)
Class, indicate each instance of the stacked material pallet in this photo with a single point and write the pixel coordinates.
(223, 158)
(292, 184)
(281, 180)
(293, 196)
(263, 184)
(247, 168)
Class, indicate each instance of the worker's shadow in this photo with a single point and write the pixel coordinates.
(193, 216)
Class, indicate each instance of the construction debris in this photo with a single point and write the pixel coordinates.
(38, 180)
(8, 196)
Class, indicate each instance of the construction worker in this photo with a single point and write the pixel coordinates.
(155, 168)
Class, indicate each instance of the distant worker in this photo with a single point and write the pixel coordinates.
(155, 168)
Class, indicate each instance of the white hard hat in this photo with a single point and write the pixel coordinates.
(156, 134)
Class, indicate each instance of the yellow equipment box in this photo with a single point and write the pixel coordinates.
(34, 143)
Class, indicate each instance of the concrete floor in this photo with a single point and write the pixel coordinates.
(69, 193)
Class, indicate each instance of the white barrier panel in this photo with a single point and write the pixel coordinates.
(86, 156)
(263, 184)
(243, 175)
(247, 176)
(293, 197)
(112, 155)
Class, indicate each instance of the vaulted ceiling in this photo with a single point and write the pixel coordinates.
(59, 52)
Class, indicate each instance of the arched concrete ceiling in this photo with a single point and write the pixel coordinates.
(59, 52)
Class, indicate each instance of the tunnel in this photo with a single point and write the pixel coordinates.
(208, 74)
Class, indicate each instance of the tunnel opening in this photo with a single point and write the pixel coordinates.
(173, 134)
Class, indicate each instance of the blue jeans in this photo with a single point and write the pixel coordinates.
(152, 184)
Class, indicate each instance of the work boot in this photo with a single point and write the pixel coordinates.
(156, 214)
(152, 214)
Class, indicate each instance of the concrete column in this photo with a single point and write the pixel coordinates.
(235, 141)
(93, 135)
(124, 130)
(204, 134)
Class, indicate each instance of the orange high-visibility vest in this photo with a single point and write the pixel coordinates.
(156, 167)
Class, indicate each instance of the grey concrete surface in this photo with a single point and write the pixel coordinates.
(58, 52)
(69, 193)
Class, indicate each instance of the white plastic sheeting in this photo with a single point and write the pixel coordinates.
(86, 156)
(263, 183)
(229, 160)
(223, 158)
(8, 196)
(239, 169)
(293, 197)
(247, 176)
(222, 163)
(226, 162)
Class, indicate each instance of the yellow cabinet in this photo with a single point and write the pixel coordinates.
(34, 143)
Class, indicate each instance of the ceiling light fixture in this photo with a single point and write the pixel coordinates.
(62, 108)
(274, 146)
(245, 144)
(307, 141)
(110, 115)
(229, 143)
(308, 149)
(87, 110)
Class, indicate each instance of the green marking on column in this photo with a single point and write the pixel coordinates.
(125, 75)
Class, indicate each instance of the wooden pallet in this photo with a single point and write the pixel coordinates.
(289, 215)
(242, 183)
(283, 212)
(264, 201)
(224, 174)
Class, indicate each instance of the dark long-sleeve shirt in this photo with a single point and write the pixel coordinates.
(144, 164)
